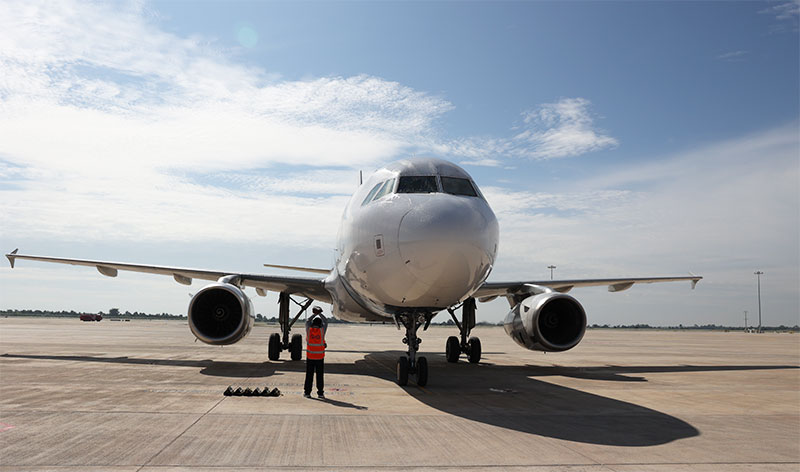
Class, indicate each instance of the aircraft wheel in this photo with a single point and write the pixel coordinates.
(474, 346)
(452, 349)
(402, 371)
(274, 350)
(422, 371)
(296, 347)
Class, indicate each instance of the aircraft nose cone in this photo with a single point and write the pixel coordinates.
(449, 244)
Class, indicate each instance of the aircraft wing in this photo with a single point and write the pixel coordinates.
(491, 290)
(306, 286)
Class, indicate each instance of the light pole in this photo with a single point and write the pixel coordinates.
(758, 274)
(745, 320)
(551, 267)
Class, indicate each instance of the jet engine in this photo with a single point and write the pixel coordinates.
(547, 322)
(220, 313)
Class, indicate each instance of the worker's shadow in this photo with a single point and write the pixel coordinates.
(340, 403)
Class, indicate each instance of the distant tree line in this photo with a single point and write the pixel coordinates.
(712, 327)
(114, 313)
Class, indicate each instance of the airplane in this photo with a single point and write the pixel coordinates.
(417, 238)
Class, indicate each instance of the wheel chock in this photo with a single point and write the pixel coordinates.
(248, 392)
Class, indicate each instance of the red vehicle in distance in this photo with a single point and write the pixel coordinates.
(90, 317)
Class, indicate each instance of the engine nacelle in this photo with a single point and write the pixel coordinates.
(547, 322)
(220, 314)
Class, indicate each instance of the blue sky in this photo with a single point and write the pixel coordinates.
(611, 138)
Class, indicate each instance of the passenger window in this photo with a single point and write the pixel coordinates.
(426, 184)
(456, 186)
(372, 193)
(385, 190)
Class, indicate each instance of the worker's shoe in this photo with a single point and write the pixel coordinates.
(320, 395)
(307, 395)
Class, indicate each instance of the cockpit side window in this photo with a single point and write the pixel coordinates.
(457, 186)
(417, 184)
(385, 190)
(372, 193)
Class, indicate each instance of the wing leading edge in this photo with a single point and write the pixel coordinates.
(305, 286)
(491, 290)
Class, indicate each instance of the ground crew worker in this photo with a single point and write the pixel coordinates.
(316, 326)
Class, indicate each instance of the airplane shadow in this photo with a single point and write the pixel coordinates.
(511, 397)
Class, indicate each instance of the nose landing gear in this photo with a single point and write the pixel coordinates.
(472, 346)
(411, 364)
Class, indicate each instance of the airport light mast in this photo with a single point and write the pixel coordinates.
(758, 274)
(551, 267)
(745, 320)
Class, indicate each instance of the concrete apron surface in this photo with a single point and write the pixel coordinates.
(142, 395)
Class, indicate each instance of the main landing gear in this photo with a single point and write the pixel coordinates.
(471, 347)
(280, 342)
(411, 364)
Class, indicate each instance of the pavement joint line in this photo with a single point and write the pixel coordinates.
(182, 432)
(596, 463)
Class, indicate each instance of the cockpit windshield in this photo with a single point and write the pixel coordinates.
(456, 186)
(417, 184)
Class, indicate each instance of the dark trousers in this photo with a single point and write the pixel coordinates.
(317, 365)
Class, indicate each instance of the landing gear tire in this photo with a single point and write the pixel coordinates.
(452, 349)
(274, 350)
(402, 371)
(422, 371)
(474, 347)
(296, 347)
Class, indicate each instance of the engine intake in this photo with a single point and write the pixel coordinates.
(547, 322)
(220, 314)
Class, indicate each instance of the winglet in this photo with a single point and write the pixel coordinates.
(695, 280)
(11, 257)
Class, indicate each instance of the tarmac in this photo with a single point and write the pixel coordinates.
(144, 396)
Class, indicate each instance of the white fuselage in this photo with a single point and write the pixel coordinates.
(416, 236)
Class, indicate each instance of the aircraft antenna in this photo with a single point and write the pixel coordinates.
(360, 177)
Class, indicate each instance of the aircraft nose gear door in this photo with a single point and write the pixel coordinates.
(411, 364)
(471, 347)
(278, 342)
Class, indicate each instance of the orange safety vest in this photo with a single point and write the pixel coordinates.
(315, 348)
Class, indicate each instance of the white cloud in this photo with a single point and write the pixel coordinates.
(787, 14)
(733, 56)
(561, 129)
(784, 11)
(73, 69)
(482, 163)
(564, 128)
